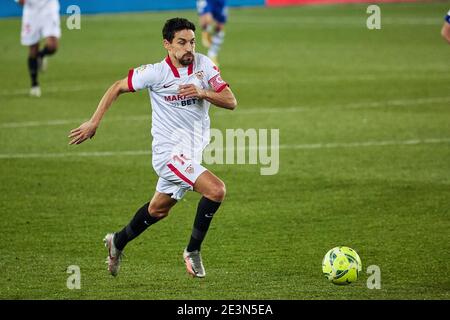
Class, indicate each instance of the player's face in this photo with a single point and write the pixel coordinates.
(182, 46)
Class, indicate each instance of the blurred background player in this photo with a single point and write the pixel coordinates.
(446, 28)
(213, 16)
(40, 20)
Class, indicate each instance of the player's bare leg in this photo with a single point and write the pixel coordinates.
(150, 213)
(213, 192)
(206, 22)
(210, 186)
(160, 205)
(51, 46)
(33, 69)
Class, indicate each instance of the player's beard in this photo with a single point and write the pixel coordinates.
(187, 59)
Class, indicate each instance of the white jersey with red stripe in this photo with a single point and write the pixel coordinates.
(180, 125)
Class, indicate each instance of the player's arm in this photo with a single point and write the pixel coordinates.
(87, 129)
(445, 32)
(21, 2)
(223, 99)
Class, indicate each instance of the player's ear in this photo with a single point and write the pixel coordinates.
(166, 44)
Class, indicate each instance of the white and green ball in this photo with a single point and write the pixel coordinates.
(341, 265)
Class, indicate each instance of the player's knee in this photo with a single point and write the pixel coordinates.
(217, 192)
(52, 49)
(219, 28)
(157, 212)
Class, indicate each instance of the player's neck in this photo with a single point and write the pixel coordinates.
(176, 63)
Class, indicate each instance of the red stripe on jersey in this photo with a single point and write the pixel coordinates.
(190, 68)
(174, 69)
(130, 82)
(179, 174)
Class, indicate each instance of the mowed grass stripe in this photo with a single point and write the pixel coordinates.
(244, 111)
(327, 145)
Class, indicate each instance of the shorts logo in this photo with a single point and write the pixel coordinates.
(189, 169)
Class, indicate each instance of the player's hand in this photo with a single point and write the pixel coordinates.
(191, 91)
(83, 132)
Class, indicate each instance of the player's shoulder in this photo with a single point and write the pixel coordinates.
(203, 60)
(149, 68)
(206, 64)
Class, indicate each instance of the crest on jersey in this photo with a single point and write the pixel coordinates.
(200, 75)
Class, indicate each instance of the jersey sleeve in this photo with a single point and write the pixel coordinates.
(213, 76)
(142, 77)
(447, 17)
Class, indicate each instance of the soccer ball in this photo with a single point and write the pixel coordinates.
(341, 265)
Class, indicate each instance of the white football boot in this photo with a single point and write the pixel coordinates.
(35, 91)
(114, 255)
(194, 264)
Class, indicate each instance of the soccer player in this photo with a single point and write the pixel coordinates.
(181, 89)
(40, 20)
(213, 16)
(445, 32)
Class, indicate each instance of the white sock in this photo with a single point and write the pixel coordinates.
(216, 43)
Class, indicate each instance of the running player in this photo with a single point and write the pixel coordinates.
(213, 16)
(40, 20)
(181, 89)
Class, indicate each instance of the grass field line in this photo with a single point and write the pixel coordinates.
(52, 89)
(436, 75)
(241, 111)
(328, 145)
(350, 78)
(366, 144)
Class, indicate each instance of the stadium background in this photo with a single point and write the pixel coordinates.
(10, 9)
(364, 128)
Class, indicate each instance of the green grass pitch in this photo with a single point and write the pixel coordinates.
(374, 103)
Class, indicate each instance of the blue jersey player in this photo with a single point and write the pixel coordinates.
(213, 16)
(446, 28)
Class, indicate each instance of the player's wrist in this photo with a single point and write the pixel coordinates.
(204, 94)
(95, 123)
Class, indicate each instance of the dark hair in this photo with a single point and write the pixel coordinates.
(175, 25)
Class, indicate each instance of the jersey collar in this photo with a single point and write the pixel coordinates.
(175, 70)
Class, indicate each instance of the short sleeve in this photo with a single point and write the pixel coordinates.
(213, 76)
(142, 77)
